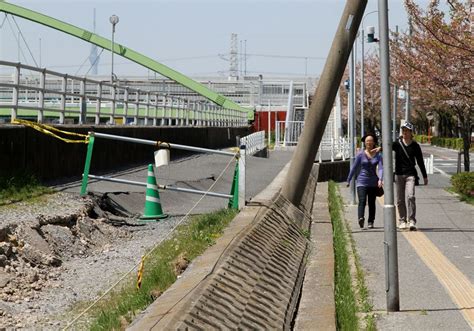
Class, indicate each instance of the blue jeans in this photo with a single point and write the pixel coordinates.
(366, 194)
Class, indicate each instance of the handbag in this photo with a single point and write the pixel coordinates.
(417, 179)
(379, 191)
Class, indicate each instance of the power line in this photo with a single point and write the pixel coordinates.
(24, 40)
(289, 56)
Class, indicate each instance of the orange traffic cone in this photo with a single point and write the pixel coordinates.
(153, 209)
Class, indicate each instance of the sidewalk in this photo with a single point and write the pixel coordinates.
(435, 263)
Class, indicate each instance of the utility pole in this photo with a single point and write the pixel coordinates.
(352, 121)
(362, 87)
(390, 230)
(323, 102)
(407, 88)
(395, 99)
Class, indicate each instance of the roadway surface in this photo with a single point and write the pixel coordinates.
(445, 160)
(198, 171)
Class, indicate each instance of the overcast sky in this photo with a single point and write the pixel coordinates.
(192, 37)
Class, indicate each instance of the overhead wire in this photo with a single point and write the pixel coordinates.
(24, 40)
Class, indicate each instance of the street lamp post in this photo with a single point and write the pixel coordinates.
(390, 231)
(362, 36)
(114, 19)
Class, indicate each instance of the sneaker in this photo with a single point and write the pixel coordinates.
(402, 225)
(371, 225)
(412, 225)
(361, 222)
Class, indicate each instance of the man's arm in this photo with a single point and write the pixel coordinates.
(421, 163)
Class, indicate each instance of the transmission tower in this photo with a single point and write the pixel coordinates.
(93, 57)
(234, 60)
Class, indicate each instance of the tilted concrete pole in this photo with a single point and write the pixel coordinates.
(323, 101)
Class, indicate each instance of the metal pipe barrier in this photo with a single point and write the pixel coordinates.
(162, 187)
(238, 189)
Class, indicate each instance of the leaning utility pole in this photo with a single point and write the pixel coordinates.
(323, 101)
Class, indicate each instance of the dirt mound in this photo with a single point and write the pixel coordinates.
(36, 238)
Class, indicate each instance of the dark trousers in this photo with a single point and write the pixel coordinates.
(366, 195)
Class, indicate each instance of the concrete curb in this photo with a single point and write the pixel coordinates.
(164, 310)
(317, 309)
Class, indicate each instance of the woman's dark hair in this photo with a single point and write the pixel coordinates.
(370, 135)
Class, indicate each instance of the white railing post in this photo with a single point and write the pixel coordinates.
(242, 177)
(42, 84)
(63, 100)
(147, 107)
(98, 104)
(16, 93)
(112, 109)
(137, 106)
(155, 120)
(125, 105)
(82, 103)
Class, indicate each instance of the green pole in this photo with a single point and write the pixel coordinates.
(85, 175)
(234, 191)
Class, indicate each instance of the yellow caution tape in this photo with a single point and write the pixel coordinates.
(46, 129)
(158, 143)
(140, 272)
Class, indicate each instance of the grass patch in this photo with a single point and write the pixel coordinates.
(349, 299)
(346, 306)
(21, 187)
(466, 198)
(162, 266)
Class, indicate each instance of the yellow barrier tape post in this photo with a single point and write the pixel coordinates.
(140, 272)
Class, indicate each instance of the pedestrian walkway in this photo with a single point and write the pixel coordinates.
(435, 263)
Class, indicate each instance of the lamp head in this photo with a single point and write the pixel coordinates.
(114, 19)
(370, 35)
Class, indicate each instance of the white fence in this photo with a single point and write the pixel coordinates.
(333, 149)
(329, 149)
(288, 135)
(253, 142)
(429, 164)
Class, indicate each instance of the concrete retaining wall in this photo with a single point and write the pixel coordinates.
(48, 158)
(336, 171)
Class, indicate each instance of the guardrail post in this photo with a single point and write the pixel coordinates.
(155, 118)
(242, 176)
(82, 103)
(16, 93)
(137, 106)
(62, 114)
(98, 104)
(187, 105)
(41, 96)
(112, 110)
(87, 165)
(163, 122)
(147, 107)
(125, 105)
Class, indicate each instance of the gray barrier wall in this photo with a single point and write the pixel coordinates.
(336, 171)
(23, 149)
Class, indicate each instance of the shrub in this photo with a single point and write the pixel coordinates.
(463, 183)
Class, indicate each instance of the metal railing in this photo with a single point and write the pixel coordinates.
(83, 100)
(329, 149)
(288, 133)
(253, 142)
(333, 149)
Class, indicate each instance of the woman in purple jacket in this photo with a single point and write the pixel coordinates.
(369, 171)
